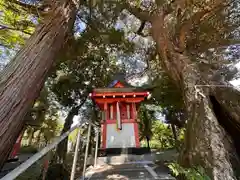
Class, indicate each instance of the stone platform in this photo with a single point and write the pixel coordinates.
(130, 171)
(155, 156)
(132, 167)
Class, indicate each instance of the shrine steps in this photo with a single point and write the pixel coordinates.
(122, 159)
(120, 151)
(132, 166)
(141, 170)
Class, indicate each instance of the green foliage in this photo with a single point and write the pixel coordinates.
(197, 173)
(50, 128)
(73, 136)
(90, 60)
(28, 149)
(154, 144)
(88, 63)
(163, 134)
(43, 118)
(168, 96)
(146, 117)
(15, 25)
(40, 109)
(181, 134)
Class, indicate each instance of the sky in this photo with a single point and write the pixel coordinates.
(236, 82)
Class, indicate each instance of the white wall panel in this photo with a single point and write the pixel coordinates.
(120, 139)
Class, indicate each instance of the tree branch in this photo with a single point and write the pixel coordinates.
(28, 7)
(81, 104)
(140, 29)
(167, 8)
(152, 53)
(3, 27)
(5, 46)
(24, 5)
(187, 25)
(89, 24)
(220, 45)
(137, 12)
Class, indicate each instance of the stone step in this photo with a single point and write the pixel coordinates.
(124, 158)
(128, 172)
(122, 174)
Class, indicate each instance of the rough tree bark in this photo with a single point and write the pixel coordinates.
(22, 80)
(228, 97)
(174, 131)
(148, 142)
(206, 142)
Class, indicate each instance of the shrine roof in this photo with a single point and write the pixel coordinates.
(119, 92)
(116, 89)
(119, 78)
(119, 87)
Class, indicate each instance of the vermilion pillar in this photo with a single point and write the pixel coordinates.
(104, 127)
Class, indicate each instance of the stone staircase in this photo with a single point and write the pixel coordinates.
(122, 159)
(123, 172)
(127, 167)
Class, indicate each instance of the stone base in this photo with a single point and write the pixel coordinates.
(119, 151)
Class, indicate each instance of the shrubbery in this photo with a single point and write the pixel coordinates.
(163, 137)
(194, 173)
(28, 149)
(58, 172)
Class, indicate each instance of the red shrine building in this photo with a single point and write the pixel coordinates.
(119, 104)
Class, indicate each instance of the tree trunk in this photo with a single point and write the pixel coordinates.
(206, 142)
(174, 133)
(148, 143)
(225, 102)
(229, 98)
(62, 146)
(23, 78)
